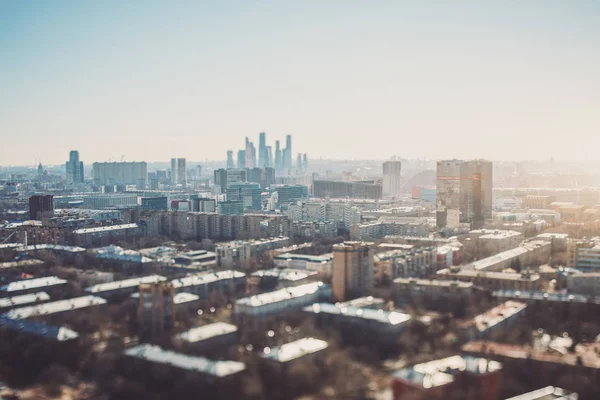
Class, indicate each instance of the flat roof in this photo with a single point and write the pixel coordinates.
(179, 298)
(23, 299)
(511, 276)
(305, 257)
(205, 332)
(548, 296)
(55, 247)
(547, 393)
(105, 228)
(498, 314)
(381, 316)
(206, 278)
(156, 354)
(281, 294)
(364, 302)
(21, 263)
(434, 282)
(57, 333)
(495, 233)
(294, 350)
(55, 307)
(35, 283)
(285, 274)
(126, 283)
(441, 372)
(583, 353)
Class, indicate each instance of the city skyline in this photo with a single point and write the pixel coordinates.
(469, 73)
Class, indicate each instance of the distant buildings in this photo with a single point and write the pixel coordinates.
(248, 193)
(341, 189)
(464, 193)
(124, 173)
(378, 230)
(239, 252)
(231, 207)
(154, 203)
(74, 168)
(290, 193)
(178, 172)
(97, 236)
(230, 162)
(352, 271)
(493, 322)
(489, 280)
(412, 262)
(392, 179)
(585, 283)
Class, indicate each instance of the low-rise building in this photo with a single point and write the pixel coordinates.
(162, 363)
(586, 283)
(280, 276)
(239, 252)
(525, 280)
(56, 307)
(375, 303)
(8, 303)
(31, 285)
(361, 323)
(547, 393)
(492, 241)
(92, 236)
(494, 322)
(124, 287)
(116, 253)
(530, 252)
(196, 259)
(414, 262)
(412, 290)
(473, 377)
(228, 282)
(282, 300)
(379, 230)
(208, 337)
(320, 263)
(302, 350)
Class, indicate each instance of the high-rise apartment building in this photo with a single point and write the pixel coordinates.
(220, 179)
(181, 172)
(241, 159)
(230, 163)
(262, 150)
(288, 153)
(278, 165)
(352, 270)
(41, 206)
(173, 171)
(74, 168)
(249, 193)
(464, 193)
(120, 173)
(392, 181)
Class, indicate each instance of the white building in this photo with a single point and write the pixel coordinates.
(392, 180)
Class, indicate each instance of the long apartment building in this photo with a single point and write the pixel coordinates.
(357, 190)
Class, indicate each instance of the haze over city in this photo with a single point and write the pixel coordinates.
(350, 80)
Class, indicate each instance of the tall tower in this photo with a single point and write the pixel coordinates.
(288, 152)
(250, 154)
(230, 163)
(181, 172)
(241, 159)
(269, 162)
(352, 270)
(262, 150)
(278, 166)
(74, 168)
(174, 172)
(392, 180)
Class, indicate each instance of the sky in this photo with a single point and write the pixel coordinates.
(151, 80)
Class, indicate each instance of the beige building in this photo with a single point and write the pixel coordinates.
(525, 280)
(352, 270)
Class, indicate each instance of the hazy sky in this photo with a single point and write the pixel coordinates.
(348, 79)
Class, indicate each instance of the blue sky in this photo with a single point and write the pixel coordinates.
(348, 79)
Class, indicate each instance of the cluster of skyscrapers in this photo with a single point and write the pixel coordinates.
(281, 161)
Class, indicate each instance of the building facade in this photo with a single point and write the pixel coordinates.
(352, 270)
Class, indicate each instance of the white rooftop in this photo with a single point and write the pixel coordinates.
(498, 314)
(381, 316)
(547, 393)
(105, 228)
(34, 283)
(206, 278)
(179, 298)
(295, 350)
(285, 274)
(23, 299)
(281, 295)
(126, 283)
(156, 354)
(204, 332)
(55, 307)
